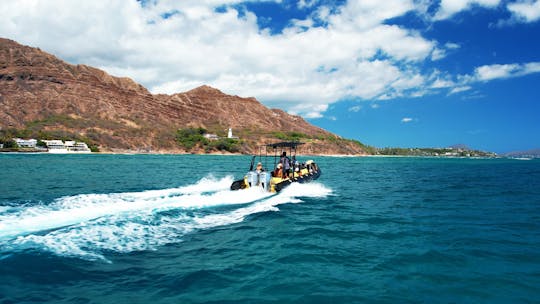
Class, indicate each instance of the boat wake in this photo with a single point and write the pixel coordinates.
(90, 225)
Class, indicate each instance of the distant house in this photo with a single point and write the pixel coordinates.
(55, 146)
(79, 147)
(69, 146)
(26, 143)
(210, 136)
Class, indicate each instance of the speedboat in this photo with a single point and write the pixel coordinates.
(287, 170)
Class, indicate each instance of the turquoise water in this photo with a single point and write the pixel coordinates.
(166, 229)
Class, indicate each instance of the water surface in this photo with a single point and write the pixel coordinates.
(165, 228)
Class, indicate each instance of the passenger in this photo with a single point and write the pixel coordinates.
(259, 168)
(286, 163)
(279, 171)
(297, 171)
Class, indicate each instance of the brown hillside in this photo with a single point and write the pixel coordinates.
(45, 96)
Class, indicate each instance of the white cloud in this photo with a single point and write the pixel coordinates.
(355, 109)
(448, 8)
(198, 45)
(306, 3)
(442, 83)
(459, 89)
(452, 46)
(527, 11)
(501, 71)
(438, 54)
(407, 119)
(302, 70)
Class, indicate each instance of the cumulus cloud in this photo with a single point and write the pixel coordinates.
(172, 46)
(526, 11)
(449, 8)
(501, 71)
(336, 53)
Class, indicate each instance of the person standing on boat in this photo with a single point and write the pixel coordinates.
(286, 163)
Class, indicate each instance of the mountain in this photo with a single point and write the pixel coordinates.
(534, 153)
(460, 147)
(43, 96)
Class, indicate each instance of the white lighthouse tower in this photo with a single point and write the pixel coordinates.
(229, 135)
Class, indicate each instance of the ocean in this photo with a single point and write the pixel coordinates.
(166, 229)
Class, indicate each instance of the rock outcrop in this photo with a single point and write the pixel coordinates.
(41, 93)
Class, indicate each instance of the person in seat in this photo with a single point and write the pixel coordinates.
(259, 168)
(279, 171)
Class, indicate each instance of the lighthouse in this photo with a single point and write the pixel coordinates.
(230, 136)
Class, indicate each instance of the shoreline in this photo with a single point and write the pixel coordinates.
(241, 154)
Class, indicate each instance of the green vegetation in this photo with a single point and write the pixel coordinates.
(9, 143)
(224, 144)
(290, 136)
(189, 138)
(368, 149)
(454, 152)
(7, 135)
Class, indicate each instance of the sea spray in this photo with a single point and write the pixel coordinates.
(89, 225)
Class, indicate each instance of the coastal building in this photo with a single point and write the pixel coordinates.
(210, 136)
(26, 143)
(77, 147)
(1, 146)
(55, 146)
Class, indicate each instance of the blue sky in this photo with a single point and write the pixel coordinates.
(409, 73)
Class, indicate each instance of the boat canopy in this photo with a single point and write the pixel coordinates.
(285, 144)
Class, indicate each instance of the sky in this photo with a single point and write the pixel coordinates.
(393, 73)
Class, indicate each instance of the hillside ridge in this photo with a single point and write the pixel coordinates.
(41, 94)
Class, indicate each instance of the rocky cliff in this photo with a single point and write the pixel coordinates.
(41, 95)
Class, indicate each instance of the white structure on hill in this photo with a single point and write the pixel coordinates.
(211, 136)
(74, 146)
(55, 146)
(70, 146)
(26, 143)
(230, 135)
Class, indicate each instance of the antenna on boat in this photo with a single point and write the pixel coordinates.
(252, 161)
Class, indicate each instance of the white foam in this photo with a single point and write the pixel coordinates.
(87, 225)
(4, 209)
(67, 211)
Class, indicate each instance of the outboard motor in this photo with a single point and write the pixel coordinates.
(264, 179)
(252, 178)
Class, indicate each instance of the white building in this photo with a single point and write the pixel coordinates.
(77, 147)
(26, 143)
(69, 146)
(55, 146)
(210, 136)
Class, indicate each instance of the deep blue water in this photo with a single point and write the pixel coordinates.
(166, 229)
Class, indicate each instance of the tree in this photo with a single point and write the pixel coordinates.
(10, 144)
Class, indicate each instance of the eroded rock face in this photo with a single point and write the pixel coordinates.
(120, 114)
